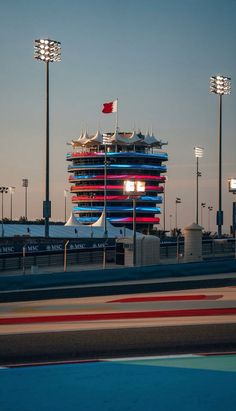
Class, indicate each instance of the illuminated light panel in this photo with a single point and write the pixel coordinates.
(160, 179)
(118, 209)
(117, 198)
(154, 220)
(109, 187)
(162, 156)
(110, 166)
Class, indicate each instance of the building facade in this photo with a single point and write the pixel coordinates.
(99, 165)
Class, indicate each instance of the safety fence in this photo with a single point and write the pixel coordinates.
(169, 252)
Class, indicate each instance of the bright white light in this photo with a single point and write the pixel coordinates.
(47, 50)
(232, 185)
(198, 152)
(220, 85)
(140, 186)
(133, 187)
(129, 186)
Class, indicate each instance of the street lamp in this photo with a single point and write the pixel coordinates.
(25, 184)
(232, 189)
(210, 208)
(134, 189)
(177, 201)
(48, 51)
(65, 197)
(198, 154)
(105, 141)
(220, 85)
(92, 196)
(203, 205)
(11, 191)
(164, 205)
(3, 190)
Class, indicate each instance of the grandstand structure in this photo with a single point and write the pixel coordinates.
(99, 165)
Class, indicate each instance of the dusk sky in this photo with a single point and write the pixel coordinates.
(156, 56)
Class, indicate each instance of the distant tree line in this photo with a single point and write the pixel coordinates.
(37, 221)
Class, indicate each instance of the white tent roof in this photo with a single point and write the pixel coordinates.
(98, 137)
(120, 138)
(111, 230)
(72, 221)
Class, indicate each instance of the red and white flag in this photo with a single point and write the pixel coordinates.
(110, 107)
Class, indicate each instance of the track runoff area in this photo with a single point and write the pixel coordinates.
(186, 382)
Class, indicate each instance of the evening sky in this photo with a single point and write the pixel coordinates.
(156, 56)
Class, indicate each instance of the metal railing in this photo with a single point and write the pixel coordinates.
(168, 253)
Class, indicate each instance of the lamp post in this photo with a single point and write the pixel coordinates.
(232, 189)
(220, 85)
(65, 199)
(198, 154)
(11, 191)
(25, 184)
(3, 190)
(164, 205)
(210, 208)
(47, 51)
(203, 205)
(105, 141)
(134, 189)
(91, 196)
(177, 201)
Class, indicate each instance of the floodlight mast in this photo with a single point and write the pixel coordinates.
(48, 51)
(198, 154)
(134, 189)
(220, 85)
(3, 190)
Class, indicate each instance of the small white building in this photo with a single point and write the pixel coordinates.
(147, 250)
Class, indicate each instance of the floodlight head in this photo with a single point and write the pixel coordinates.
(220, 84)
(47, 50)
(232, 185)
(134, 187)
(198, 152)
(3, 189)
(25, 182)
(12, 190)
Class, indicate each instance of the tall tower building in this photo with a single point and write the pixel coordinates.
(99, 165)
